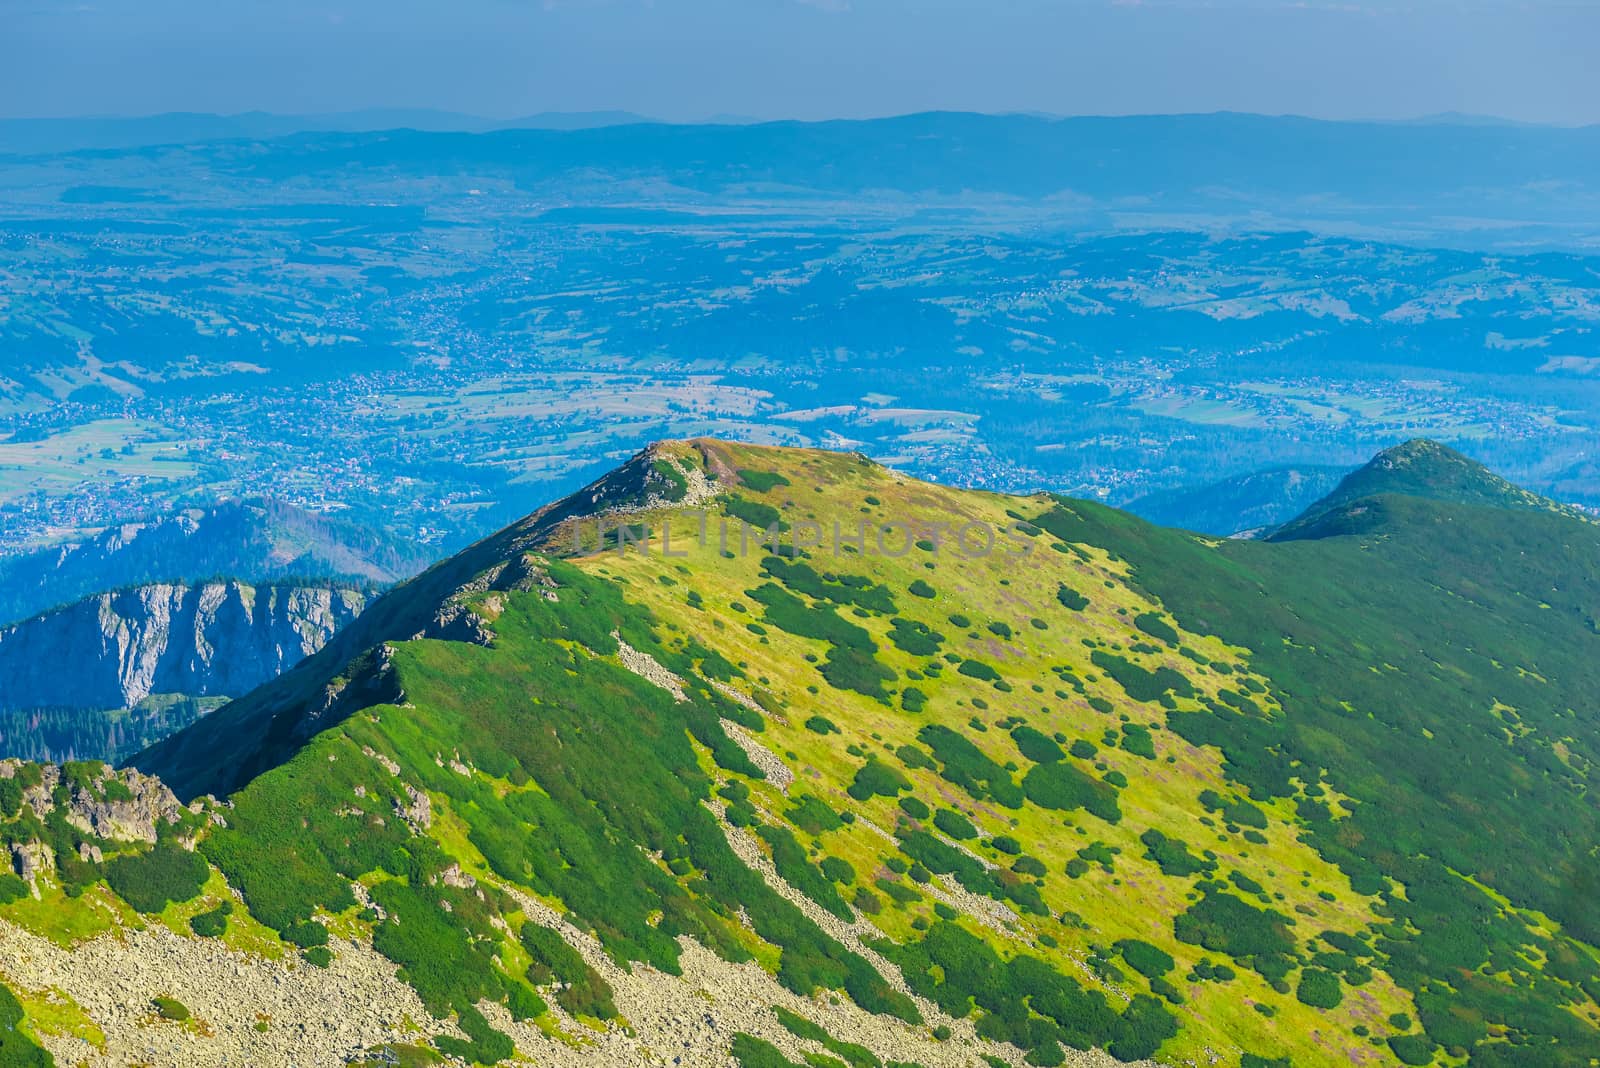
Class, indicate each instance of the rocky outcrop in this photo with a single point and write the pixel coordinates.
(214, 639)
(109, 803)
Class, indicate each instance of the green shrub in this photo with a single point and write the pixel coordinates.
(813, 815)
(1136, 739)
(586, 993)
(856, 671)
(212, 923)
(1064, 788)
(761, 481)
(977, 669)
(12, 887)
(1224, 923)
(911, 636)
(523, 1004)
(752, 1052)
(1172, 856)
(789, 857)
(914, 808)
(955, 824)
(842, 590)
(1036, 746)
(484, 1045)
(17, 1050)
(1412, 1049)
(151, 880)
(1071, 598)
(838, 870)
(919, 588)
(799, 1026)
(895, 892)
(1152, 962)
(759, 515)
(1152, 624)
(789, 613)
(171, 1009)
(969, 767)
(877, 779)
(1030, 866)
(306, 934)
(1138, 683)
(1318, 988)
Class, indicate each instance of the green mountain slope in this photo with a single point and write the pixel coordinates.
(931, 777)
(1418, 468)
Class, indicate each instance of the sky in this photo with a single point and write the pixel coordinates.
(1529, 60)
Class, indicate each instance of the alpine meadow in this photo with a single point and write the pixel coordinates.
(785, 763)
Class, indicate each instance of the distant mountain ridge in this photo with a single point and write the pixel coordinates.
(1242, 504)
(1420, 468)
(40, 136)
(212, 639)
(251, 541)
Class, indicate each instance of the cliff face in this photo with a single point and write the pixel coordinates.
(113, 650)
(257, 542)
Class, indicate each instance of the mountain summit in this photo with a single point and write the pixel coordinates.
(1419, 468)
(778, 758)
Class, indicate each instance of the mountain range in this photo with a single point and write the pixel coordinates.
(1243, 505)
(161, 620)
(36, 136)
(136, 653)
(255, 542)
(779, 758)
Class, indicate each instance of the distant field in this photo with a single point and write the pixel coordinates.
(436, 361)
(95, 453)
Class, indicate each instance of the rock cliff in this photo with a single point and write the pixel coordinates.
(113, 650)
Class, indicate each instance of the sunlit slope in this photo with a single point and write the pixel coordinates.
(1025, 777)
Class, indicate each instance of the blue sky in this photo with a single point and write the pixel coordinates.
(685, 59)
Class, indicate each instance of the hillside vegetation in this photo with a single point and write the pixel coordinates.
(919, 776)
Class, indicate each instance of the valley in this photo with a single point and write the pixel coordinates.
(432, 333)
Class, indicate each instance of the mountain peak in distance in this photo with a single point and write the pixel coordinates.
(1419, 468)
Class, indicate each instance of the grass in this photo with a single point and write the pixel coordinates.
(62, 462)
(1136, 901)
(52, 1013)
(68, 922)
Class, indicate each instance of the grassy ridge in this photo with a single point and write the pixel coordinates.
(1100, 785)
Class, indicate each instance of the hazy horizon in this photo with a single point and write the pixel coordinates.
(1439, 117)
(805, 59)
